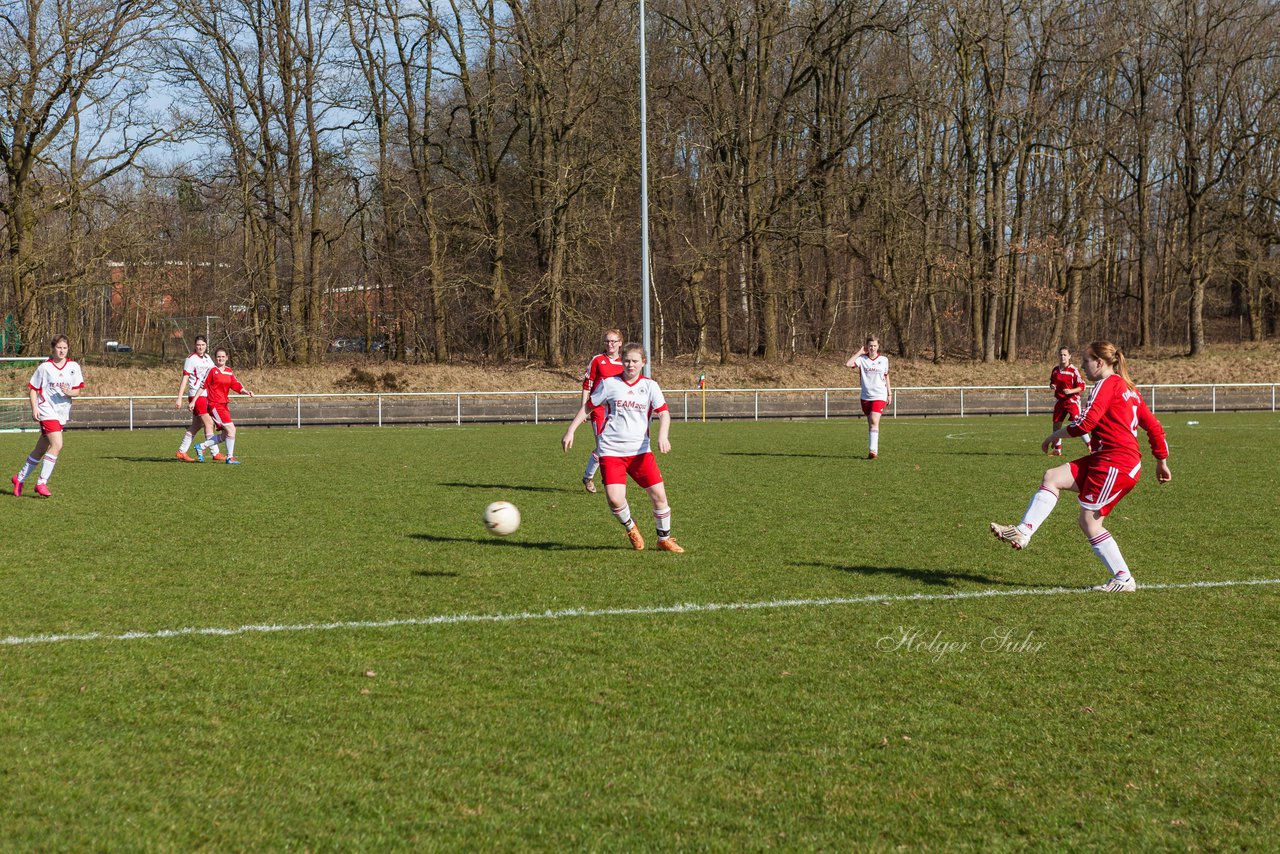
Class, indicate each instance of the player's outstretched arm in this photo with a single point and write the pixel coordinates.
(1054, 438)
(566, 441)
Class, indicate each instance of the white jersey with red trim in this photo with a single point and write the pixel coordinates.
(195, 369)
(47, 382)
(629, 407)
(874, 375)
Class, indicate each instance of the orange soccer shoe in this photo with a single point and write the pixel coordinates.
(186, 458)
(637, 541)
(669, 544)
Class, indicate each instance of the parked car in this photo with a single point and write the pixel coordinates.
(117, 347)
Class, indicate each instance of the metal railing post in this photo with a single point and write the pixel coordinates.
(757, 418)
(379, 410)
(299, 412)
(535, 409)
(962, 403)
(458, 416)
(131, 413)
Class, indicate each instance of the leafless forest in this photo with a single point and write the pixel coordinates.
(460, 178)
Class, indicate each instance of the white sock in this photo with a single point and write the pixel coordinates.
(231, 446)
(623, 515)
(1042, 504)
(662, 521)
(211, 443)
(593, 463)
(46, 468)
(1108, 551)
(186, 442)
(28, 467)
(873, 439)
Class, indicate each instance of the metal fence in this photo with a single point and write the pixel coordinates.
(316, 410)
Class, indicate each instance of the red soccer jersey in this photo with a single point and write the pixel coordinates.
(1061, 379)
(220, 382)
(600, 369)
(1112, 420)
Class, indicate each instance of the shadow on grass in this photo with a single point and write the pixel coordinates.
(952, 453)
(149, 460)
(495, 542)
(512, 486)
(427, 573)
(932, 577)
(788, 456)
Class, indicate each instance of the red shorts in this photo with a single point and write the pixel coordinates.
(1102, 483)
(643, 469)
(201, 407)
(599, 416)
(1066, 410)
(53, 425)
(221, 414)
(870, 406)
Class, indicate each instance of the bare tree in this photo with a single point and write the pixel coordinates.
(72, 76)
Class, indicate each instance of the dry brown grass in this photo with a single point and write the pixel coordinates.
(1236, 363)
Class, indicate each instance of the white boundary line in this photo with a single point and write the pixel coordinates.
(685, 608)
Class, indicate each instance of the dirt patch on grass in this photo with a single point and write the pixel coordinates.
(1242, 363)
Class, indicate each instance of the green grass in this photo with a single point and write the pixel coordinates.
(1142, 721)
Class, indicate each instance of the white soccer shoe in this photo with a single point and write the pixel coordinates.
(1011, 535)
(1115, 585)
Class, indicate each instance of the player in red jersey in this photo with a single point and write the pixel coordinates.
(1067, 384)
(51, 388)
(873, 376)
(631, 400)
(1106, 475)
(194, 369)
(219, 382)
(603, 366)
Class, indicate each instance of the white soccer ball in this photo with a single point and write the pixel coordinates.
(501, 518)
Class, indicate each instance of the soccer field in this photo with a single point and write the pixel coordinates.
(322, 649)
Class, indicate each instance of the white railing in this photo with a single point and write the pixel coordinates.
(461, 407)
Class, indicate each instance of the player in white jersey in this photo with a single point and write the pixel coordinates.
(630, 401)
(194, 370)
(873, 374)
(50, 389)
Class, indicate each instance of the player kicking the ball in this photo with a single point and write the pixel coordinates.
(1105, 476)
(630, 401)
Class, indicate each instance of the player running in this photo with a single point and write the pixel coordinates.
(630, 401)
(1106, 475)
(604, 365)
(1067, 384)
(194, 369)
(873, 374)
(51, 388)
(219, 382)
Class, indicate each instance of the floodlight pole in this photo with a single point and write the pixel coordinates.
(644, 201)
